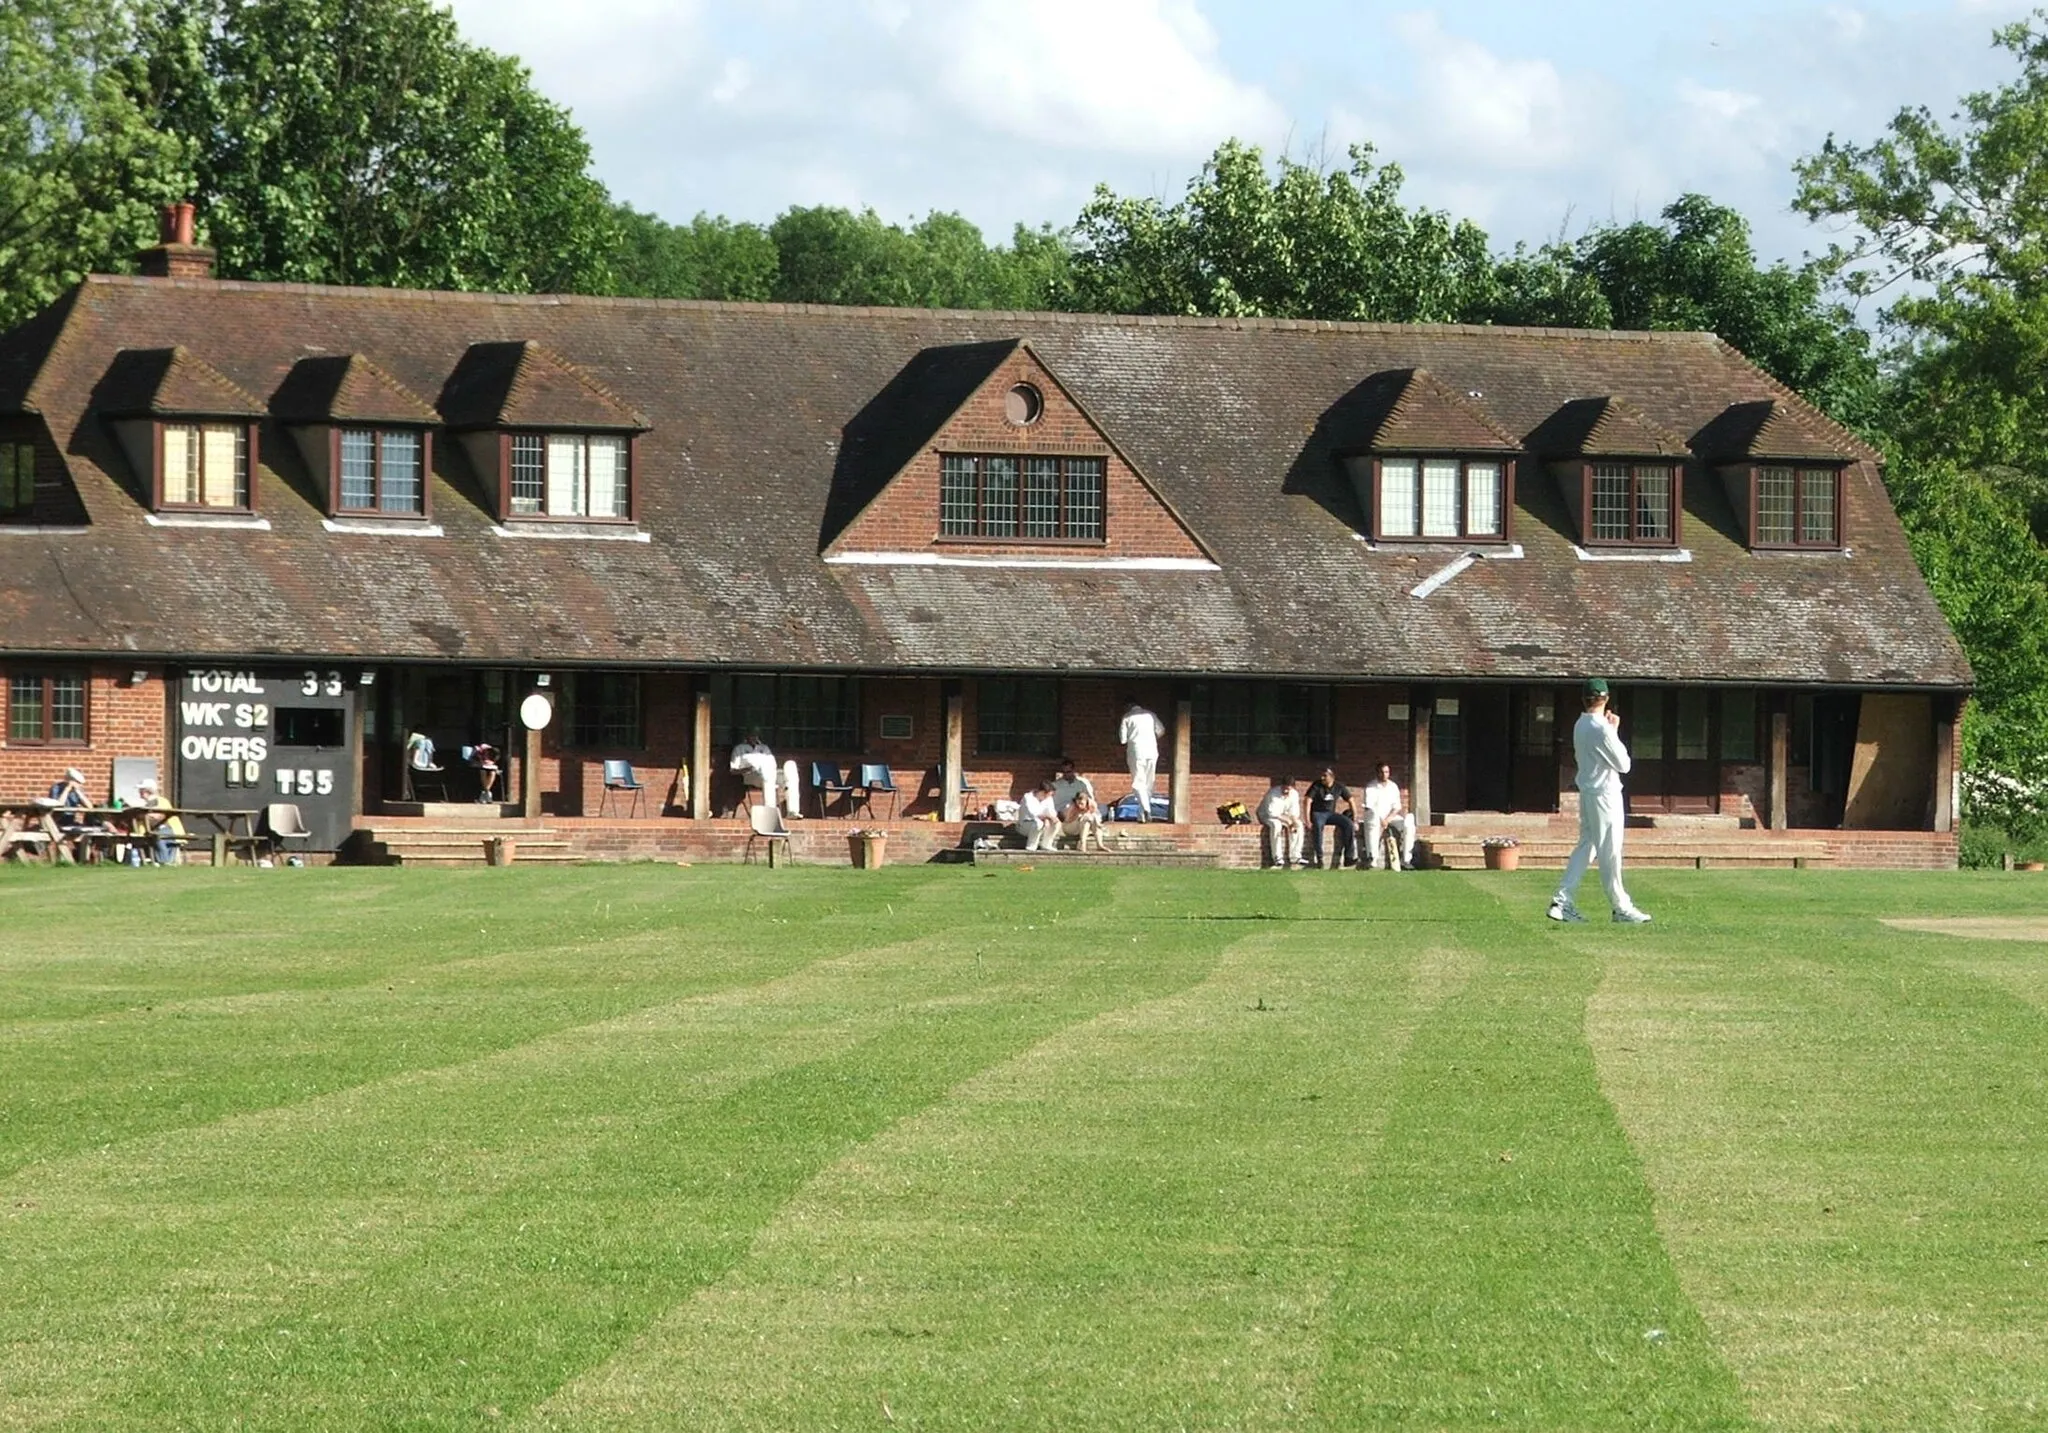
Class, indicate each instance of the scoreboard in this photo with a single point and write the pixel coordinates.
(247, 738)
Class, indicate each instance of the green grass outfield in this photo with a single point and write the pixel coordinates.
(939, 1148)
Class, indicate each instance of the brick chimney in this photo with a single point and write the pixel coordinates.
(176, 256)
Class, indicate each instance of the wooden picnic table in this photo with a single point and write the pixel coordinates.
(104, 827)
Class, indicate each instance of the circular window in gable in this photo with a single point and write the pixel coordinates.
(1022, 405)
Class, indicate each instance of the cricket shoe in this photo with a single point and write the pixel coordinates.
(1565, 911)
(1632, 917)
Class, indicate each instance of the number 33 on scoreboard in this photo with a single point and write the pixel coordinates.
(302, 782)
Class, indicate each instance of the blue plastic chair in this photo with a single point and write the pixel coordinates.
(828, 781)
(618, 776)
(875, 777)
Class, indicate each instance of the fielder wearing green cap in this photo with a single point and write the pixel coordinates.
(1603, 761)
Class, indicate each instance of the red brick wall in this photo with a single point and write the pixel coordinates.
(121, 720)
(905, 516)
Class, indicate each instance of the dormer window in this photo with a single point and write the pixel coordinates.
(205, 465)
(1632, 502)
(571, 475)
(1439, 498)
(550, 443)
(382, 471)
(1797, 507)
(1781, 465)
(1021, 498)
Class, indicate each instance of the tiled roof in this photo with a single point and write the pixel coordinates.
(523, 385)
(1768, 428)
(345, 388)
(751, 410)
(170, 382)
(1423, 415)
(1604, 427)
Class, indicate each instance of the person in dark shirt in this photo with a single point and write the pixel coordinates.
(1329, 804)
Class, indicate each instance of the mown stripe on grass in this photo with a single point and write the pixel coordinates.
(1506, 1269)
(1846, 1146)
(435, 1247)
(1133, 1224)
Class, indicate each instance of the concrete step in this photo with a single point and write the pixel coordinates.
(1178, 860)
(524, 858)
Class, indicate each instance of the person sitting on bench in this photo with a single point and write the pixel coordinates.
(1074, 795)
(1039, 822)
(758, 771)
(1385, 811)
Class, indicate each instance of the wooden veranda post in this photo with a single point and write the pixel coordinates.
(1183, 761)
(1776, 761)
(1421, 711)
(700, 756)
(950, 768)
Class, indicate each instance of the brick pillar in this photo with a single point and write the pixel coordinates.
(1183, 761)
(700, 753)
(1777, 765)
(951, 771)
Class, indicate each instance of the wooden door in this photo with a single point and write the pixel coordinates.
(1539, 718)
(1489, 750)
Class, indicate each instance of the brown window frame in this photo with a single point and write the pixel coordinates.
(17, 503)
(377, 432)
(505, 444)
(1798, 543)
(251, 463)
(1635, 466)
(1506, 464)
(1018, 538)
(49, 676)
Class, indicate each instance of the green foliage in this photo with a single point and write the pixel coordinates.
(707, 258)
(82, 173)
(1292, 242)
(833, 256)
(364, 141)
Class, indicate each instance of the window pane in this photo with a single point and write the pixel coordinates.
(1653, 504)
(1817, 506)
(1041, 497)
(181, 463)
(220, 481)
(527, 467)
(1645, 724)
(1222, 718)
(1738, 726)
(17, 477)
(956, 496)
(400, 453)
(358, 468)
(608, 478)
(1482, 499)
(565, 475)
(25, 708)
(1610, 502)
(998, 497)
(1773, 505)
(1262, 719)
(816, 713)
(1440, 497)
(1691, 737)
(1397, 497)
(1018, 716)
(1084, 498)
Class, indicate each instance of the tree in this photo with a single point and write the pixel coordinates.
(833, 256)
(1296, 242)
(364, 142)
(1698, 271)
(82, 173)
(707, 258)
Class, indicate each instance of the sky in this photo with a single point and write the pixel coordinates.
(1533, 118)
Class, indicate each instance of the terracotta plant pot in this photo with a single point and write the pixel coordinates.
(1502, 858)
(500, 850)
(869, 852)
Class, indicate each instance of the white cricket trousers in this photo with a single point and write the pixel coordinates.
(1144, 771)
(1039, 835)
(1285, 841)
(1600, 823)
(1403, 826)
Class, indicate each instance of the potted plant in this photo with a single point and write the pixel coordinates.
(1503, 853)
(870, 847)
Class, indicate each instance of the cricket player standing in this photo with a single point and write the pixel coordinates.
(1603, 761)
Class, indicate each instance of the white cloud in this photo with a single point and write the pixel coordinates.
(1504, 113)
(1128, 76)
